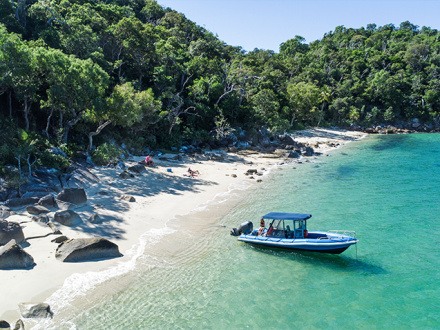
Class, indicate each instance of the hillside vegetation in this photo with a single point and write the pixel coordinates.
(77, 74)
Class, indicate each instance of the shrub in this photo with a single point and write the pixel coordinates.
(47, 159)
(106, 153)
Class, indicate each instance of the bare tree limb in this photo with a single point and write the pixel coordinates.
(232, 89)
(46, 131)
(19, 164)
(30, 164)
(98, 130)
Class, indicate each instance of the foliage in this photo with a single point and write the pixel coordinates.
(106, 153)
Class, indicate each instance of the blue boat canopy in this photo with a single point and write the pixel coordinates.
(286, 216)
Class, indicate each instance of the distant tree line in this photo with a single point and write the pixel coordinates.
(77, 73)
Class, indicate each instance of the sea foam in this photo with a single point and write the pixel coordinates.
(77, 284)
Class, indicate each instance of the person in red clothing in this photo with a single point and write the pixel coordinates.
(149, 160)
(192, 173)
(270, 230)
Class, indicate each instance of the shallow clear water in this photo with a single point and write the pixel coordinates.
(386, 188)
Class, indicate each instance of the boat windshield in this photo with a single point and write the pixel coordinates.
(288, 228)
(278, 224)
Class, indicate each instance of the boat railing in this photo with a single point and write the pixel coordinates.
(344, 233)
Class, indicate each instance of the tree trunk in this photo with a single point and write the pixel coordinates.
(98, 130)
(140, 80)
(291, 122)
(69, 124)
(27, 109)
(321, 114)
(30, 165)
(48, 123)
(76, 117)
(10, 104)
(19, 164)
(66, 133)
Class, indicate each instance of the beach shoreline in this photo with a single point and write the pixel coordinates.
(163, 194)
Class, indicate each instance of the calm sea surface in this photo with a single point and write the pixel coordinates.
(386, 188)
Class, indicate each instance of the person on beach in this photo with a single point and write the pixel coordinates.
(149, 160)
(262, 227)
(192, 173)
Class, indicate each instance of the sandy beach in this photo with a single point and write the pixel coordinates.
(162, 194)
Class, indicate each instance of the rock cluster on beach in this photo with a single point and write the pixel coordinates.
(84, 249)
(37, 311)
(414, 126)
(10, 231)
(13, 256)
(59, 208)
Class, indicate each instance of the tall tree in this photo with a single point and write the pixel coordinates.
(304, 100)
(125, 106)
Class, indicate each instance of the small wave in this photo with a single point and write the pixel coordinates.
(79, 284)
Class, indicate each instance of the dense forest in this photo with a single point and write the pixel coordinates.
(80, 75)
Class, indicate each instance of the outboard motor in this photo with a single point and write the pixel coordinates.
(245, 228)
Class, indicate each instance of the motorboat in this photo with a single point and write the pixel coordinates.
(289, 231)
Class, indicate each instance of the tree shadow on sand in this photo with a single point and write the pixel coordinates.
(107, 196)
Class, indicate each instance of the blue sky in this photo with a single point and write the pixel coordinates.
(265, 24)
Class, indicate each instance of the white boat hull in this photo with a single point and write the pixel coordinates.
(332, 243)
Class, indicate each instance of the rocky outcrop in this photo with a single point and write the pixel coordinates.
(81, 177)
(42, 218)
(10, 231)
(125, 175)
(215, 156)
(5, 212)
(60, 239)
(309, 151)
(83, 249)
(76, 196)
(42, 183)
(128, 198)
(65, 205)
(12, 256)
(21, 202)
(251, 171)
(94, 218)
(38, 311)
(47, 201)
(36, 209)
(138, 168)
(287, 139)
(19, 325)
(4, 325)
(68, 218)
(293, 154)
(5, 192)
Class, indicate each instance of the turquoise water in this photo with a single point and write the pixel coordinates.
(386, 188)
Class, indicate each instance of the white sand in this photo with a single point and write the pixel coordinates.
(160, 197)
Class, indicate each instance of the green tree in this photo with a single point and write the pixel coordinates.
(83, 88)
(125, 107)
(138, 41)
(293, 46)
(304, 100)
(26, 81)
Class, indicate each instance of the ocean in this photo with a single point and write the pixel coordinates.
(194, 275)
